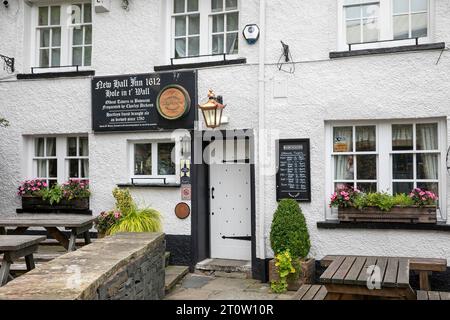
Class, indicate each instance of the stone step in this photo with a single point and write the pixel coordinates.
(167, 258)
(174, 274)
(237, 269)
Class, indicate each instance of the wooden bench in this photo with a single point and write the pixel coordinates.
(432, 295)
(424, 266)
(311, 292)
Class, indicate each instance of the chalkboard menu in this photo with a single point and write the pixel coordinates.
(130, 102)
(293, 170)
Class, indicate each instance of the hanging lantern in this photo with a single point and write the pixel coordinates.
(212, 110)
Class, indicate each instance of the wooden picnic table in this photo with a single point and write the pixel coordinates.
(14, 247)
(349, 277)
(77, 224)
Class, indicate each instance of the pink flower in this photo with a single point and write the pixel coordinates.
(347, 198)
(117, 214)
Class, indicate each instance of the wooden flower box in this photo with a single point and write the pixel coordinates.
(412, 214)
(31, 203)
(308, 269)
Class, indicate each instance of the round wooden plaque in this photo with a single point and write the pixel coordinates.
(182, 210)
(173, 102)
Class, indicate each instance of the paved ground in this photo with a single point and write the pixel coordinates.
(199, 287)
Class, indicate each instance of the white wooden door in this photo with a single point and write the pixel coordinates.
(230, 214)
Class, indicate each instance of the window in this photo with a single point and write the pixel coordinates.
(388, 156)
(63, 35)
(390, 22)
(204, 27)
(154, 162)
(58, 159)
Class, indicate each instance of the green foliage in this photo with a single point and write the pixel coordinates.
(403, 200)
(124, 201)
(53, 194)
(138, 220)
(289, 231)
(360, 201)
(283, 262)
(381, 200)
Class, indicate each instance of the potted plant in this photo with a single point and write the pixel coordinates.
(127, 217)
(354, 206)
(290, 242)
(37, 195)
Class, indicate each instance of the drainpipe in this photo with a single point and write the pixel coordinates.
(261, 129)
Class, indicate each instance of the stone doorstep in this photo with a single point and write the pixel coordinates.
(237, 269)
(174, 274)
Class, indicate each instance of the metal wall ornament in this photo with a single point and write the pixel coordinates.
(173, 102)
(8, 63)
(212, 110)
(182, 210)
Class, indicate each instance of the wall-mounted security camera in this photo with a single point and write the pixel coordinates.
(251, 33)
(6, 3)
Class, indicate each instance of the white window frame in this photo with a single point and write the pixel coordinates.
(384, 160)
(385, 23)
(154, 178)
(66, 35)
(77, 157)
(225, 32)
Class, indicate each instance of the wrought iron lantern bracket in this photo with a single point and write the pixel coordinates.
(8, 63)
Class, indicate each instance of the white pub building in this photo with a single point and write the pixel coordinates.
(108, 90)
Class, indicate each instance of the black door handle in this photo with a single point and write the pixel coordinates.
(212, 192)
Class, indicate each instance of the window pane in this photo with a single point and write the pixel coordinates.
(343, 168)
(84, 168)
(45, 38)
(56, 37)
(427, 166)
(402, 166)
(143, 159)
(218, 23)
(84, 147)
(51, 183)
(77, 36)
(55, 13)
(232, 43)
(178, 6)
(367, 167)
(194, 46)
(194, 25)
(367, 187)
(419, 5)
(165, 164)
(401, 27)
(192, 5)
(42, 168)
(353, 31)
(72, 147)
(419, 25)
(353, 12)
(180, 48)
(429, 186)
(343, 185)
(342, 139)
(52, 168)
(370, 30)
(217, 45)
(43, 16)
(370, 11)
(231, 4)
(216, 5)
(402, 137)
(180, 26)
(88, 35)
(233, 21)
(427, 136)
(51, 147)
(43, 58)
(39, 147)
(87, 15)
(366, 138)
(73, 168)
(76, 14)
(56, 56)
(87, 56)
(401, 6)
(77, 54)
(402, 187)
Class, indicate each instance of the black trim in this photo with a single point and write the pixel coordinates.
(148, 185)
(60, 211)
(243, 238)
(179, 247)
(260, 268)
(383, 226)
(199, 65)
(52, 75)
(364, 52)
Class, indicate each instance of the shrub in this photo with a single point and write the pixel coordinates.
(283, 261)
(106, 220)
(124, 200)
(381, 200)
(403, 200)
(138, 220)
(289, 231)
(53, 194)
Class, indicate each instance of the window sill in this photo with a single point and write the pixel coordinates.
(409, 48)
(149, 185)
(335, 224)
(53, 75)
(198, 65)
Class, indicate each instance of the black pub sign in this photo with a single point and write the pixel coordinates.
(294, 170)
(144, 102)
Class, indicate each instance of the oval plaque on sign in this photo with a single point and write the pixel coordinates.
(182, 210)
(173, 102)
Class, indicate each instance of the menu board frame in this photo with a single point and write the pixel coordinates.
(286, 194)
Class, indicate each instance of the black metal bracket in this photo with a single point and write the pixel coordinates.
(9, 63)
(243, 238)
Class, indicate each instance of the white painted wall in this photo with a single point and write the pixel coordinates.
(395, 86)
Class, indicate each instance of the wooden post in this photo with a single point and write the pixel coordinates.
(72, 240)
(424, 280)
(29, 260)
(2, 231)
(87, 237)
(4, 270)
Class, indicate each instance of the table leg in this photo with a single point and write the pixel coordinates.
(425, 280)
(72, 240)
(19, 230)
(87, 238)
(4, 270)
(2, 231)
(59, 236)
(29, 260)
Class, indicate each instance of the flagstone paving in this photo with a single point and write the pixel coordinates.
(200, 287)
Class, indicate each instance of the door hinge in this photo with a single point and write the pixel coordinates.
(243, 238)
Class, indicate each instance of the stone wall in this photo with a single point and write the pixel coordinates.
(121, 267)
